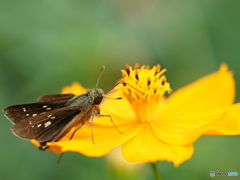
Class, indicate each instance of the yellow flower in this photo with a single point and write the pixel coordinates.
(155, 127)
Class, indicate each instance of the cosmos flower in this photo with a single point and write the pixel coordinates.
(154, 127)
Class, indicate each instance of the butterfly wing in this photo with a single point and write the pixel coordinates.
(52, 97)
(45, 104)
(44, 127)
(50, 118)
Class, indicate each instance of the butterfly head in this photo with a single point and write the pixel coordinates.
(97, 95)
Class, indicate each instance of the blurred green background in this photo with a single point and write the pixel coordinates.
(46, 45)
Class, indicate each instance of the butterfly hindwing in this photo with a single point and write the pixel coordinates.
(55, 97)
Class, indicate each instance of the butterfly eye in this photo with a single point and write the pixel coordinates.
(98, 100)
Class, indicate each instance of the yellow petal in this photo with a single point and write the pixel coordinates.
(229, 124)
(210, 92)
(187, 129)
(105, 139)
(120, 111)
(146, 147)
(75, 89)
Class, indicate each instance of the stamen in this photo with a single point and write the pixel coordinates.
(137, 96)
(148, 67)
(136, 75)
(163, 80)
(127, 67)
(154, 90)
(154, 85)
(136, 66)
(157, 70)
(158, 66)
(148, 81)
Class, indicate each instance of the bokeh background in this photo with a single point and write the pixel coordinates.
(46, 45)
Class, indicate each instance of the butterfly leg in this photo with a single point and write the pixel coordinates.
(97, 113)
(74, 133)
(43, 146)
(103, 115)
(59, 159)
(91, 126)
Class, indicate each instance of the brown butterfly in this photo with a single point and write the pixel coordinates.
(53, 116)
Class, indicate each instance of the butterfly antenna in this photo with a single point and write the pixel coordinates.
(103, 68)
(124, 83)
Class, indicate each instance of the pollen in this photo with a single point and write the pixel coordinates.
(152, 86)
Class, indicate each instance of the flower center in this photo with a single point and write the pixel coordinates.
(152, 85)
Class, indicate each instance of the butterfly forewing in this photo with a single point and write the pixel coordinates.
(44, 127)
(45, 104)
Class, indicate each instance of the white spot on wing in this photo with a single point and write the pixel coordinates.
(49, 115)
(39, 125)
(34, 115)
(44, 106)
(52, 117)
(48, 108)
(30, 122)
(27, 114)
(48, 123)
(24, 109)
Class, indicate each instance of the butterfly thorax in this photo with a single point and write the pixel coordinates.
(92, 97)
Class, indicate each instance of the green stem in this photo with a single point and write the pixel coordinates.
(156, 172)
